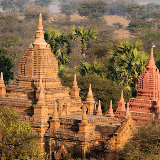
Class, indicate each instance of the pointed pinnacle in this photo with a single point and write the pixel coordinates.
(40, 26)
(1, 76)
(121, 99)
(75, 81)
(99, 105)
(90, 90)
(151, 62)
(111, 104)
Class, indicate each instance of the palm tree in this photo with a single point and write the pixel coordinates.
(85, 35)
(128, 62)
(60, 44)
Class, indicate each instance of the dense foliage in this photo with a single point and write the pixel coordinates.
(6, 64)
(127, 63)
(17, 140)
(92, 9)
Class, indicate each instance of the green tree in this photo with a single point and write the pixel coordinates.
(95, 68)
(17, 140)
(138, 25)
(92, 9)
(6, 64)
(85, 36)
(136, 11)
(145, 143)
(60, 44)
(127, 63)
(43, 3)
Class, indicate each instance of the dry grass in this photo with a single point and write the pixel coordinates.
(121, 33)
(115, 19)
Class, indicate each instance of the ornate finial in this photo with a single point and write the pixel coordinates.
(2, 81)
(40, 34)
(111, 104)
(90, 94)
(75, 81)
(99, 110)
(151, 62)
(1, 76)
(40, 26)
(128, 114)
(122, 99)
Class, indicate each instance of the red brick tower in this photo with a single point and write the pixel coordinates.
(146, 104)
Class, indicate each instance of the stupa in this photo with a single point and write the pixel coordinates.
(56, 112)
(146, 105)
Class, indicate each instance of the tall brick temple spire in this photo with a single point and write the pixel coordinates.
(40, 34)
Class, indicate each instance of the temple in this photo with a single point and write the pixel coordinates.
(56, 113)
(146, 105)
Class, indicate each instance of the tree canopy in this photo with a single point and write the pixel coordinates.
(60, 44)
(92, 9)
(85, 36)
(127, 63)
(17, 140)
(6, 64)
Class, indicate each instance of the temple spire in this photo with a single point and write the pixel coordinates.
(40, 34)
(1, 76)
(75, 81)
(2, 81)
(40, 26)
(99, 110)
(151, 62)
(121, 99)
(90, 94)
(110, 113)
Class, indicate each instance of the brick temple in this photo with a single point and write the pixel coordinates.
(57, 113)
(146, 105)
